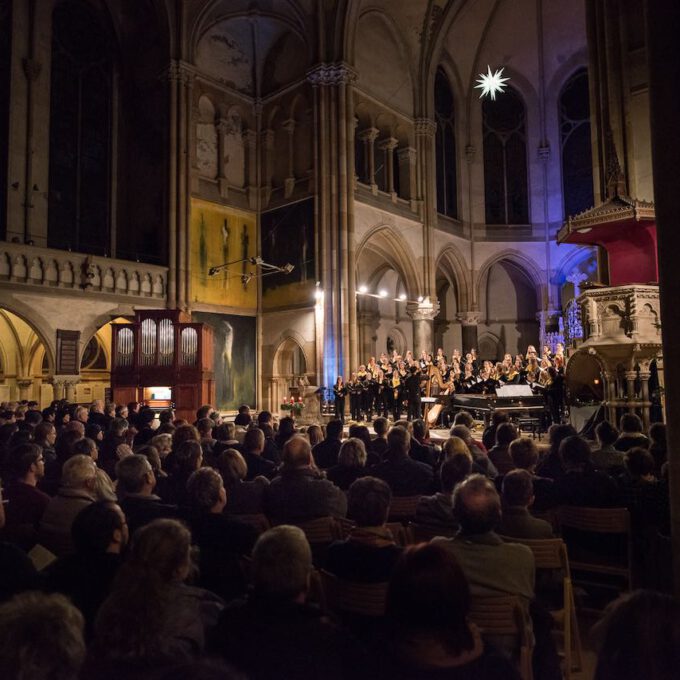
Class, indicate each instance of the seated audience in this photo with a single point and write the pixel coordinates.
(606, 458)
(285, 432)
(222, 540)
(581, 485)
(518, 496)
(405, 477)
(151, 618)
(379, 443)
(144, 426)
(421, 450)
(136, 484)
(550, 465)
(299, 493)
(638, 637)
(480, 461)
(315, 435)
(369, 553)
(499, 455)
(77, 490)
(253, 447)
(430, 635)
(245, 498)
(187, 458)
(100, 534)
(300, 641)
(631, 433)
(361, 432)
(205, 427)
(351, 464)
(657, 446)
(41, 638)
(489, 436)
(243, 418)
(271, 451)
(437, 510)
(326, 453)
(111, 449)
(524, 454)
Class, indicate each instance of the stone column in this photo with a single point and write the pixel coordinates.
(423, 316)
(630, 390)
(425, 130)
(25, 385)
(71, 388)
(387, 146)
(611, 396)
(222, 128)
(368, 324)
(250, 150)
(289, 182)
(644, 396)
(469, 322)
(58, 387)
(407, 175)
(548, 323)
(268, 170)
(368, 137)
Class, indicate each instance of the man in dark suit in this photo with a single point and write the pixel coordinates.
(253, 446)
(412, 388)
(326, 452)
(406, 477)
(518, 495)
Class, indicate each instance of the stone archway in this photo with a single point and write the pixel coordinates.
(289, 365)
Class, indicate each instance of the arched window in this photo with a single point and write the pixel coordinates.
(577, 160)
(5, 61)
(447, 189)
(505, 159)
(80, 130)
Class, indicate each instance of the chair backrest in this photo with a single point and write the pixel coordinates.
(403, 507)
(259, 522)
(423, 533)
(322, 530)
(366, 599)
(549, 553)
(595, 520)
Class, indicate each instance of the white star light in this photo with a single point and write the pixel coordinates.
(490, 83)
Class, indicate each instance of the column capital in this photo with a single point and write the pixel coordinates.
(423, 311)
(369, 134)
(470, 318)
(470, 153)
(406, 154)
(544, 152)
(338, 73)
(388, 143)
(425, 127)
(24, 382)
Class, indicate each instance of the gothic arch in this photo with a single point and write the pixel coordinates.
(524, 263)
(290, 342)
(451, 262)
(392, 247)
(38, 325)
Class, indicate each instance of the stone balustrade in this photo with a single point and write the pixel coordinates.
(58, 269)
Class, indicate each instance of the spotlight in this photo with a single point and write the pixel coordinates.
(402, 296)
(420, 298)
(383, 293)
(363, 289)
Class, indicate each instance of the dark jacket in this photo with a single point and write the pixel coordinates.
(586, 489)
(326, 453)
(423, 453)
(357, 560)
(516, 522)
(300, 494)
(406, 477)
(436, 511)
(258, 466)
(140, 510)
(343, 476)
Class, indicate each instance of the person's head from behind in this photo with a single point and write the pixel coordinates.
(297, 453)
(205, 490)
(315, 435)
(499, 417)
(639, 637)
(455, 445)
(639, 463)
(368, 502)
(205, 427)
(87, 447)
(204, 411)
(253, 442)
(506, 433)
(518, 489)
(476, 505)
(163, 444)
(454, 470)
(162, 547)
(606, 433)
(574, 453)
(99, 528)
(630, 423)
(352, 453)
(231, 466)
(398, 443)
(462, 432)
(264, 418)
(524, 453)
(464, 418)
(419, 429)
(134, 475)
(26, 460)
(282, 564)
(428, 600)
(380, 426)
(79, 472)
(334, 429)
(557, 434)
(286, 427)
(184, 433)
(657, 433)
(41, 638)
(188, 457)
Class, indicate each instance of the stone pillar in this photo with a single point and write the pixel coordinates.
(289, 181)
(630, 390)
(250, 150)
(368, 137)
(423, 316)
(222, 128)
(611, 396)
(71, 388)
(57, 387)
(25, 385)
(387, 146)
(644, 397)
(469, 322)
(407, 175)
(425, 130)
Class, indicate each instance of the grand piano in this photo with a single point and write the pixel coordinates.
(519, 401)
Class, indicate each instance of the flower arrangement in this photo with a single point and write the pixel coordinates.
(293, 405)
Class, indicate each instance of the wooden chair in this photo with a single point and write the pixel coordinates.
(321, 531)
(403, 508)
(504, 616)
(364, 599)
(551, 554)
(259, 522)
(598, 522)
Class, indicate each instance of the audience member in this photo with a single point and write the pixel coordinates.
(657, 446)
(524, 454)
(379, 443)
(489, 436)
(245, 498)
(326, 453)
(551, 464)
(351, 464)
(253, 447)
(606, 458)
(480, 461)
(499, 455)
(518, 497)
(243, 417)
(285, 432)
(631, 433)
(421, 450)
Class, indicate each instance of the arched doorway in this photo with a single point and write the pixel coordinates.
(509, 308)
(289, 368)
(26, 364)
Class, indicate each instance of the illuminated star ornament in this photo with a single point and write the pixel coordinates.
(490, 83)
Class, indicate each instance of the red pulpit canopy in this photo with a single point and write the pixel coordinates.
(626, 229)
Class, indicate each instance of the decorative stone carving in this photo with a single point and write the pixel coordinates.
(469, 318)
(423, 311)
(425, 127)
(331, 74)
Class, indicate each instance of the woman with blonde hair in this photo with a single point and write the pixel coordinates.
(351, 464)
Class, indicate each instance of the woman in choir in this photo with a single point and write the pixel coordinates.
(339, 392)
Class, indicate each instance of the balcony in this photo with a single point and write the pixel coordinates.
(44, 268)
